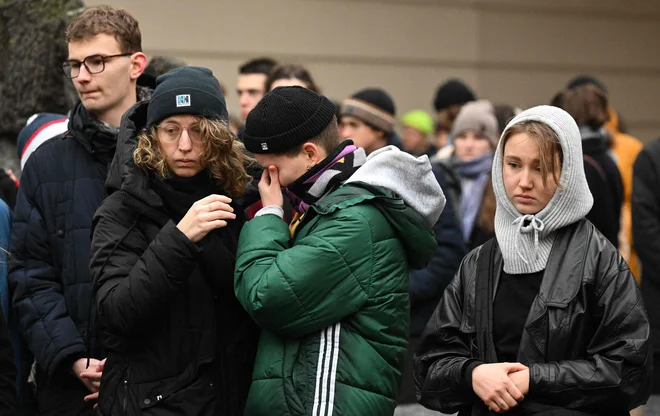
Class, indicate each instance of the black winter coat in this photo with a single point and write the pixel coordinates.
(62, 185)
(646, 237)
(178, 341)
(586, 340)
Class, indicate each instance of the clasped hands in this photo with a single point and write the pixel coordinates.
(501, 386)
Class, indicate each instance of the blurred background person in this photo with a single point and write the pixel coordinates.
(289, 76)
(625, 149)
(587, 104)
(475, 135)
(417, 128)
(251, 84)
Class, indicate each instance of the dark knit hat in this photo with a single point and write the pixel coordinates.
(285, 118)
(187, 90)
(452, 92)
(374, 106)
(586, 80)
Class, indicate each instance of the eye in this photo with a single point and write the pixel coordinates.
(94, 60)
(196, 130)
(512, 164)
(74, 65)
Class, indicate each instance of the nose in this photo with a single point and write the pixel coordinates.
(243, 100)
(525, 179)
(83, 75)
(185, 144)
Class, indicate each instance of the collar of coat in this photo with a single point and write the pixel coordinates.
(562, 278)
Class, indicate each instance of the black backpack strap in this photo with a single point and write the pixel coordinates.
(485, 279)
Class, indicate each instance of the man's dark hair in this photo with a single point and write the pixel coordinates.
(298, 72)
(258, 66)
(159, 65)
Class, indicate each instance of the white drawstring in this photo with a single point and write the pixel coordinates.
(535, 225)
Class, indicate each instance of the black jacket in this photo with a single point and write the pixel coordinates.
(646, 237)
(586, 340)
(606, 187)
(178, 341)
(61, 187)
(8, 399)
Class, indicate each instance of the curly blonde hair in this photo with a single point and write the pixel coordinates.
(223, 156)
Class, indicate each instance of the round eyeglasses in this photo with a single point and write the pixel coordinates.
(171, 133)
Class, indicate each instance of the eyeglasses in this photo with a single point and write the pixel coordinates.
(95, 64)
(171, 133)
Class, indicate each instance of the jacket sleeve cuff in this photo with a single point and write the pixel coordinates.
(468, 368)
(271, 209)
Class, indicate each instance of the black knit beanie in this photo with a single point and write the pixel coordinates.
(452, 92)
(286, 117)
(187, 90)
(374, 106)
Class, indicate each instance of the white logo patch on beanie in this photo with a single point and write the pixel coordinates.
(183, 100)
(264, 146)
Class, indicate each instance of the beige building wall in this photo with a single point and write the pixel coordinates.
(518, 52)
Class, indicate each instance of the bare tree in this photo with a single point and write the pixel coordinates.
(32, 47)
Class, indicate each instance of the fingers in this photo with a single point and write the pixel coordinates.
(265, 177)
(513, 367)
(91, 376)
(214, 198)
(217, 215)
(506, 401)
(92, 397)
(513, 391)
(219, 206)
(274, 176)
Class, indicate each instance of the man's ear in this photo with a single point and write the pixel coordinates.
(313, 153)
(138, 65)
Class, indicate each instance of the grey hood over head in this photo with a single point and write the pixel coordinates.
(410, 177)
(526, 240)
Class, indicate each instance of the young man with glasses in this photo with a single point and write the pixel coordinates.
(61, 187)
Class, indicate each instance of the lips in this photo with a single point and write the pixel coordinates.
(524, 198)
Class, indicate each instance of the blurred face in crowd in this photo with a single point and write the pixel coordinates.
(362, 134)
(109, 93)
(527, 185)
(414, 140)
(290, 168)
(180, 140)
(250, 89)
(290, 82)
(470, 145)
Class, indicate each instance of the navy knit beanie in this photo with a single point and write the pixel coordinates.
(286, 117)
(187, 90)
(452, 92)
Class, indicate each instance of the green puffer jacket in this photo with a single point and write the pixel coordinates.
(333, 302)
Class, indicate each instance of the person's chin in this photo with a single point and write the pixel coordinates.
(527, 209)
(186, 172)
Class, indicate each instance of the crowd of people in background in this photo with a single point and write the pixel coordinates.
(314, 257)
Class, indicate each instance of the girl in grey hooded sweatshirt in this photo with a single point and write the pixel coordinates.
(546, 318)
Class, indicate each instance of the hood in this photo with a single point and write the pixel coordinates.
(410, 228)
(526, 240)
(409, 177)
(124, 175)
(98, 138)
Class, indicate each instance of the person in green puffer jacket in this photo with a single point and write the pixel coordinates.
(330, 291)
